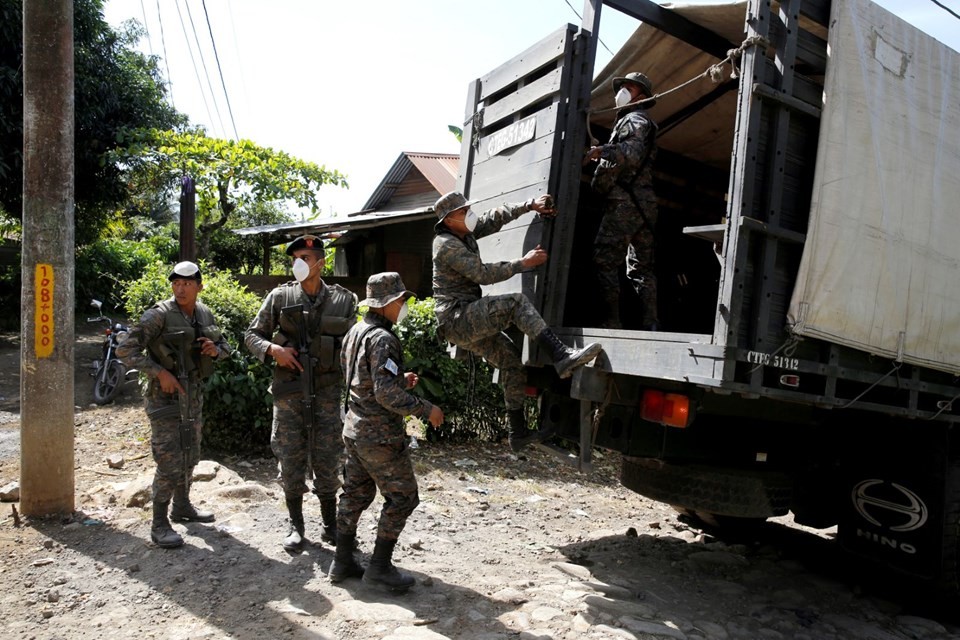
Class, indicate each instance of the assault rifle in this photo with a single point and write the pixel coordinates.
(182, 344)
(298, 315)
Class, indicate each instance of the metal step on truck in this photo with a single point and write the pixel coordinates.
(808, 258)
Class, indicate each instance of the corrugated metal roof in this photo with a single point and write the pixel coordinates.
(440, 170)
(336, 224)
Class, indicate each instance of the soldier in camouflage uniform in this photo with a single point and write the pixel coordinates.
(625, 177)
(328, 311)
(477, 323)
(377, 399)
(146, 349)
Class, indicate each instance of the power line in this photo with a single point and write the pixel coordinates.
(143, 10)
(203, 61)
(946, 8)
(194, 62)
(166, 59)
(226, 96)
(581, 20)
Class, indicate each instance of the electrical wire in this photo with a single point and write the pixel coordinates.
(206, 73)
(166, 59)
(946, 8)
(194, 62)
(143, 10)
(581, 20)
(226, 96)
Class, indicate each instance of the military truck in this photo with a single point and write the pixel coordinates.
(808, 179)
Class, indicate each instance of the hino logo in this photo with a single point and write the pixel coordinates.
(908, 514)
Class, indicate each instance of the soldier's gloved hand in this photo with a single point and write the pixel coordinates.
(285, 356)
(169, 383)
(436, 416)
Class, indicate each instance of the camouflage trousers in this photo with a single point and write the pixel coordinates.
(371, 466)
(478, 328)
(626, 236)
(174, 465)
(289, 441)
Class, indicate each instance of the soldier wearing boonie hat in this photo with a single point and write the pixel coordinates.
(624, 176)
(328, 312)
(475, 322)
(377, 398)
(146, 349)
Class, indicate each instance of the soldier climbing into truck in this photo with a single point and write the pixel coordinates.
(477, 323)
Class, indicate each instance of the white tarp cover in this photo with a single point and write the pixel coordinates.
(881, 266)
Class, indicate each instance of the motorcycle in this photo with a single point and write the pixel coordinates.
(108, 372)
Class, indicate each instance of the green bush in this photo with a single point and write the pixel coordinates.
(103, 266)
(472, 403)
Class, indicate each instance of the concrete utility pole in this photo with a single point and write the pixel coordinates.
(47, 331)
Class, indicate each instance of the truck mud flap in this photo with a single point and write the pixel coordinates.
(741, 493)
(901, 505)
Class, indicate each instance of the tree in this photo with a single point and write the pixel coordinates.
(228, 174)
(116, 88)
(244, 254)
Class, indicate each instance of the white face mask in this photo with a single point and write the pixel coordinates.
(301, 270)
(470, 220)
(622, 98)
(402, 313)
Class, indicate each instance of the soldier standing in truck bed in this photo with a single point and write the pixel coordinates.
(330, 312)
(625, 178)
(477, 323)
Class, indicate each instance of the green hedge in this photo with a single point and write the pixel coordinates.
(238, 407)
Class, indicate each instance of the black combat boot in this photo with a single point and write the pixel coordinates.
(520, 436)
(183, 511)
(381, 570)
(161, 532)
(344, 563)
(565, 359)
(293, 543)
(328, 513)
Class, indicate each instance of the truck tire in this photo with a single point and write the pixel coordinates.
(719, 491)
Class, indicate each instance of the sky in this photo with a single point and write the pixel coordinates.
(352, 85)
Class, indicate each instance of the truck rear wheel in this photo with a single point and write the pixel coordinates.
(718, 491)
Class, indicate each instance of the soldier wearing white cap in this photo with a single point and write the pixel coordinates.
(146, 349)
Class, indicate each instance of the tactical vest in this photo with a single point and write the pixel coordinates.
(326, 326)
(173, 320)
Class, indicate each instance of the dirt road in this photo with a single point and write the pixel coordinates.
(501, 548)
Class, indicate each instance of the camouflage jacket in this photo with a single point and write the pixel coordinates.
(626, 161)
(135, 348)
(328, 317)
(377, 397)
(458, 270)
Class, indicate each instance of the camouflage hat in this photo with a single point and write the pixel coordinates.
(185, 270)
(636, 78)
(450, 202)
(305, 242)
(384, 288)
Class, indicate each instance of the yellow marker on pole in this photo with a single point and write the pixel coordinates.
(43, 295)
